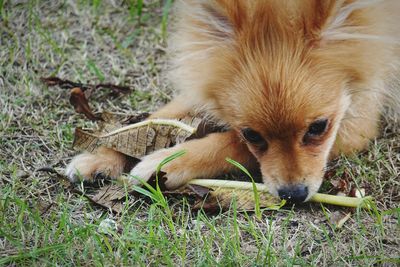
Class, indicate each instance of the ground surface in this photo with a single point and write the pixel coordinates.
(43, 223)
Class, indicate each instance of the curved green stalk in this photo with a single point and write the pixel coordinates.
(352, 202)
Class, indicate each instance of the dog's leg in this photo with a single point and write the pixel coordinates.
(107, 162)
(204, 158)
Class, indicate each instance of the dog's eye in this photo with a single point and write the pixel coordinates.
(317, 127)
(252, 136)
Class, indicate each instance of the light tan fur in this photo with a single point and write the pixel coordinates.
(276, 66)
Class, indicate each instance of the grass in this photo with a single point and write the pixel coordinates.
(257, 209)
(42, 222)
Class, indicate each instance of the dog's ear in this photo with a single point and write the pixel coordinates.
(213, 19)
(340, 20)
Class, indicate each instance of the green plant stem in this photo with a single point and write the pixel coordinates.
(352, 202)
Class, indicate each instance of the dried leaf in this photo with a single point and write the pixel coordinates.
(222, 198)
(80, 103)
(340, 185)
(187, 192)
(67, 84)
(111, 196)
(80, 92)
(138, 139)
(199, 190)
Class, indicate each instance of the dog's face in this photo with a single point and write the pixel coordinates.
(288, 116)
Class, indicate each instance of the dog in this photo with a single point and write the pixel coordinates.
(296, 83)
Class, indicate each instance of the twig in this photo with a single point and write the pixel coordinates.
(67, 84)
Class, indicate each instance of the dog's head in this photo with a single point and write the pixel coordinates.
(288, 112)
(277, 73)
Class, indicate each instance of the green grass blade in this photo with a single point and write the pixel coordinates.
(164, 20)
(34, 253)
(255, 191)
(139, 8)
(95, 70)
(145, 192)
(169, 159)
(1, 7)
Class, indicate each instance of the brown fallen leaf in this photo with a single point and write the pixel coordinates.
(111, 196)
(80, 92)
(341, 184)
(67, 84)
(199, 190)
(222, 198)
(81, 105)
(139, 139)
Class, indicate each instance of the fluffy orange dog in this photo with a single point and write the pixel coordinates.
(296, 82)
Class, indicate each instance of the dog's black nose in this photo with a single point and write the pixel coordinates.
(294, 193)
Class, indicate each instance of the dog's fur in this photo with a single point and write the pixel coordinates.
(276, 67)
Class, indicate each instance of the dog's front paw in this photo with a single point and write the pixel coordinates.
(145, 169)
(88, 166)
